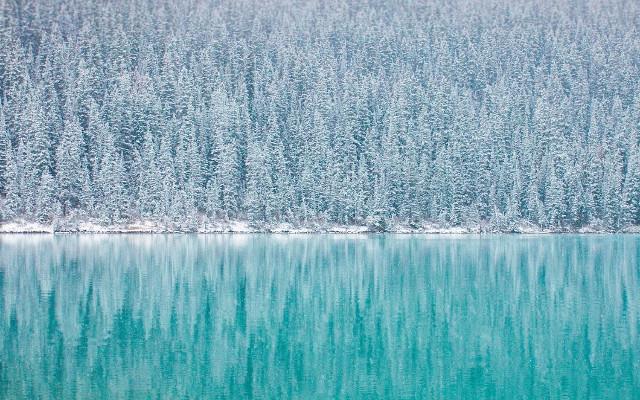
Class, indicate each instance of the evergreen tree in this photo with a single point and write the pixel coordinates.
(46, 202)
(69, 166)
(631, 192)
(342, 117)
(12, 205)
(150, 185)
(5, 146)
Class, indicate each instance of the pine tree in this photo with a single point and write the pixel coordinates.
(339, 120)
(150, 181)
(37, 147)
(612, 190)
(554, 201)
(69, 166)
(259, 184)
(12, 205)
(111, 183)
(631, 191)
(46, 202)
(5, 146)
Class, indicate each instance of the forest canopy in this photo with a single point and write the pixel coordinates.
(459, 113)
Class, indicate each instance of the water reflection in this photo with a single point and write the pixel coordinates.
(267, 316)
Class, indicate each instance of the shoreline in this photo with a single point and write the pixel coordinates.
(243, 227)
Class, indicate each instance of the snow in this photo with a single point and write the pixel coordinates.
(25, 227)
(348, 229)
(632, 229)
(240, 226)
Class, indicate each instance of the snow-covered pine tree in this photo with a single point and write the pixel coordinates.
(339, 117)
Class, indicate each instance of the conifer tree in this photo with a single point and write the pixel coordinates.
(340, 117)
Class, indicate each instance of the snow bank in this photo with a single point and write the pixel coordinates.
(25, 227)
(284, 228)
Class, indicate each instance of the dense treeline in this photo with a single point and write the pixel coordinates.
(460, 113)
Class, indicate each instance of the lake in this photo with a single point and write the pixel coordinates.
(319, 316)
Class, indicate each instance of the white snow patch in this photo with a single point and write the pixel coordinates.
(245, 227)
(25, 227)
(348, 229)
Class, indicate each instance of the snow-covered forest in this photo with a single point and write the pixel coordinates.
(460, 113)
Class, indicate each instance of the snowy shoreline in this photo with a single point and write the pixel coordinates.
(146, 227)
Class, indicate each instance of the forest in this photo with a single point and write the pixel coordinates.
(465, 113)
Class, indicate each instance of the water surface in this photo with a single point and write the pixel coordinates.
(319, 316)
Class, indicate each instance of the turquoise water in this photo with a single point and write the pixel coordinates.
(318, 316)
